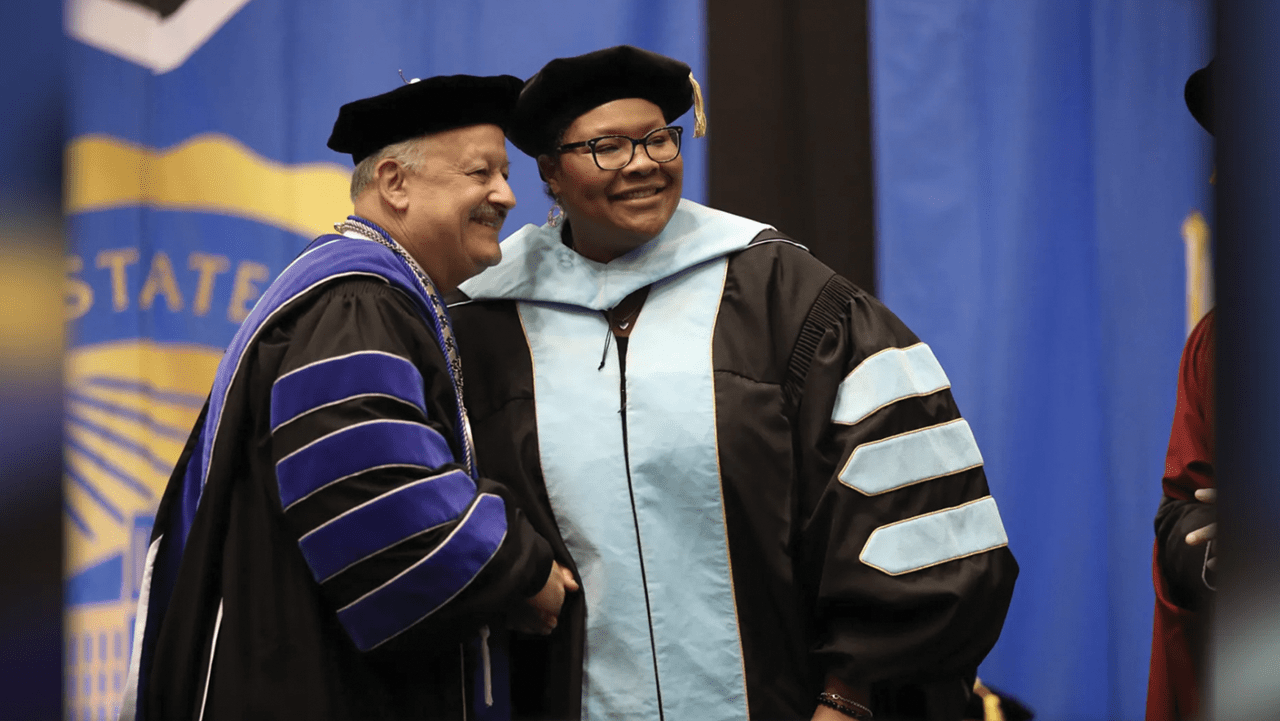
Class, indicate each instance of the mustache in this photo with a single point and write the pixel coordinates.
(486, 213)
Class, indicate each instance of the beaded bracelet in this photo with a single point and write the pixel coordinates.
(846, 706)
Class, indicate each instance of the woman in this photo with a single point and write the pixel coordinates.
(756, 471)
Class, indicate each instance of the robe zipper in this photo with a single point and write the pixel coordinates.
(635, 516)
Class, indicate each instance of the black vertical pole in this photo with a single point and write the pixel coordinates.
(1245, 678)
(790, 123)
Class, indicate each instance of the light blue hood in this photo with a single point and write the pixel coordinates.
(537, 265)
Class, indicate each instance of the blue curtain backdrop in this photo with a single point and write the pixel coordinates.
(196, 170)
(1035, 161)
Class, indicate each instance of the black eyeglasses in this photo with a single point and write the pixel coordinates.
(610, 151)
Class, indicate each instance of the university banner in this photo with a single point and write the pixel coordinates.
(196, 171)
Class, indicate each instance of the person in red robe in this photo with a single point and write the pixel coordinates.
(1183, 564)
(1186, 522)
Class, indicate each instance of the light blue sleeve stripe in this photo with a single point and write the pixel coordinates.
(886, 377)
(335, 379)
(912, 457)
(383, 522)
(424, 587)
(934, 538)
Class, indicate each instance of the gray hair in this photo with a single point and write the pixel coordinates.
(408, 153)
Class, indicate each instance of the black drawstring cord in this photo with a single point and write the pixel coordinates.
(608, 337)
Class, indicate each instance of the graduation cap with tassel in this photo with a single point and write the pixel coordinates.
(566, 88)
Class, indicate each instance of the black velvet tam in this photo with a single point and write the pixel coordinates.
(568, 87)
(422, 107)
(1199, 96)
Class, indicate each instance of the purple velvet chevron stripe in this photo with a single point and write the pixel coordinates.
(337, 379)
(430, 583)
(385, 521)
(356, 449)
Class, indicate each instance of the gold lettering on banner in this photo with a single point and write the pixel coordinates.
(117, 259)
(209, 267)
(244, 290)
(79, 293)
(161, 281)
(248, 282)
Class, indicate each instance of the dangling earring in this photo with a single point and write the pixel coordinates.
(556, 215)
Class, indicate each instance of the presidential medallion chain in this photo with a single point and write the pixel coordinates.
(440, 321)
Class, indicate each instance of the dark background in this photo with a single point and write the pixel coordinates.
(30, 389)
(791, 145)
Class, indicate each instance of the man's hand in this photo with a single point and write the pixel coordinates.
(1203, 535)
(541, 613)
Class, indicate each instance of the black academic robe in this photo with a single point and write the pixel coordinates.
(807, 597)
(341, 561)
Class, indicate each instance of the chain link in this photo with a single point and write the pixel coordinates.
(441, 325)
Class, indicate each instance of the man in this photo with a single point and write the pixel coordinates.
(1185, 523)
(758, 471)
(325, 549)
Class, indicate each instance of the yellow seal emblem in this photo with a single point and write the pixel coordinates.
(130, 407)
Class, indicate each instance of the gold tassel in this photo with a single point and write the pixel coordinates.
(699, 115)
(1195, 237)
(990, 702)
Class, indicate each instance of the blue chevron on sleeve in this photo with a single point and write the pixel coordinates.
(887, 377)
(356, 449)
(932, 538)
(389, 519)
(912, 457)
(424, 587)
(337, 379)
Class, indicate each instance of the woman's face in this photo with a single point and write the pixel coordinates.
(615, 211)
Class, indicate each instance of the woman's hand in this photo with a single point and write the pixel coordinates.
(541, 613)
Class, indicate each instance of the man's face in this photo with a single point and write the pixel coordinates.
(458, 198)
(628, 206)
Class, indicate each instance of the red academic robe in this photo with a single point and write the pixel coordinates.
(1173, 691)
